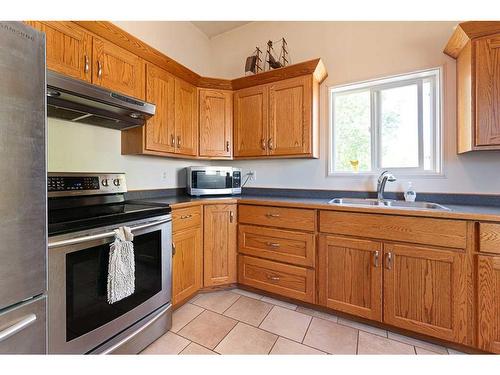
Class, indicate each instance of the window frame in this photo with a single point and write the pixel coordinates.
(375, 86)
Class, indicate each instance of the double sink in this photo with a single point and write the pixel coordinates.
(386, 203)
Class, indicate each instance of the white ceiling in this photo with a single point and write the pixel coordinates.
(213, 28)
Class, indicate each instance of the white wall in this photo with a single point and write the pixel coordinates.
(354, 51)
(85, 148)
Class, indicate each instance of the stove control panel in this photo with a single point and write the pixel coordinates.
(66, 184)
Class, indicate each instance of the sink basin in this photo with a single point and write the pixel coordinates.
(387, 204)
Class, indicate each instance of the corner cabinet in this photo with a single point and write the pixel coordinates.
(219, 254)
(489, 303)
(476, 47)
(277, 119)
(216, 123)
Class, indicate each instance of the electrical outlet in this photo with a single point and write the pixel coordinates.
(253, 175)
(164, 175)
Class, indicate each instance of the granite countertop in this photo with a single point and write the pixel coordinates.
(466, 212)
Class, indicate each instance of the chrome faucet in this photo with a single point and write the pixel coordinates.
(382, 179)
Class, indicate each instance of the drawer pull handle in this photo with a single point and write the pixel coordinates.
(173, 249)
(375, 258)
(186, 216)
(99, 69)
(263, 143)
(227, 146)
(172, 140)
(273, 277)
(272, 215)
(272, 244)
(86, 64)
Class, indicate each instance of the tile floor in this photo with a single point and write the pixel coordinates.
(241, 322)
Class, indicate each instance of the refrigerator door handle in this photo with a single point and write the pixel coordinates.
(17, 327)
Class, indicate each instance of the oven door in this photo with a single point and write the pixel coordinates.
(210, 180)
(80, 318)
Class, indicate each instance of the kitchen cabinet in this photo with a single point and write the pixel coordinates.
(117, 69)
(187, 268)
(350, 276)
(277, 119)
(186, 118)
(251, 121)
(160, 129)
(216, 123)
(68, 48)
(187, 249)
(219, 252)
(488, 284)
(476, 47)
(290, 117)
(425, 290)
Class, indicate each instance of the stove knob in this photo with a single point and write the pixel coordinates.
(105, 182)
(116, 182)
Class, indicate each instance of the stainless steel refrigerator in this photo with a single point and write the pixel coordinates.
(23, 187)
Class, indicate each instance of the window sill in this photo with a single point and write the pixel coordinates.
(395, 172)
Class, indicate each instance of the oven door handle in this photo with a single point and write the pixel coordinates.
(100, 236)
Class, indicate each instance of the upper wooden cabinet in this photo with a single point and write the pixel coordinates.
(476, 47)
(290, 117)
(186, 118)
(117, 69)
(216, 123)
(68, 48)
(219, 252)
(160, 129)
(277, 119)
(251, 121)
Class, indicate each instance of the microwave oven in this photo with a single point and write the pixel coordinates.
(213, 180)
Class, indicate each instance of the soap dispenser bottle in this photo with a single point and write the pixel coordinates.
(410, 193)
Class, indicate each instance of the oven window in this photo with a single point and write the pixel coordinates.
(86, 284)
(211, 180)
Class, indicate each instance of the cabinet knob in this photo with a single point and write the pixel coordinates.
(178, 141)
(388, 260)
(231, 216)
(173, 249)
(172, 140)
(375, 258)
(227, 146)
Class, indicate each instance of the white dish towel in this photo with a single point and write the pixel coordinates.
(121, 269)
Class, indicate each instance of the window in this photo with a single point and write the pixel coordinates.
(391, 123)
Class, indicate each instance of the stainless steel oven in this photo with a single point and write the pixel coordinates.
(80, 318)
(213, 180)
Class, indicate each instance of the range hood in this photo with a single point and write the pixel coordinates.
(77, 101)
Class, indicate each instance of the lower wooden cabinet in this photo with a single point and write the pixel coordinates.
(425, 290)
(350, 276)
(219, 253)
(187, 264)
(488, 284)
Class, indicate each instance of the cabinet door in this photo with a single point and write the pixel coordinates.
(117, 69)
(489, 303)
(216, 123)
(219, 244)
(487, 64)
(425, 290)
(290, 116)
(350, 276)
(68, 48)
(251, 121)
(186, 118)
(160, 129)
(187, 264)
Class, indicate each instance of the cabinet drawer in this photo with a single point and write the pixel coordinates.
(283, 279)
(184, 218)
(275, 244)
(288, 218)
(489, 238)
(438, 232)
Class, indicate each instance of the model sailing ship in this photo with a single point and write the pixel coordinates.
(253, 63)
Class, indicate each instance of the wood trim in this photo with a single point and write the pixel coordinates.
(466, 31)
(115, 34)
(315, 67)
